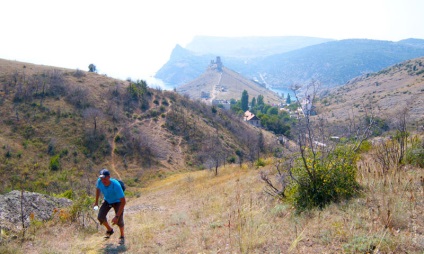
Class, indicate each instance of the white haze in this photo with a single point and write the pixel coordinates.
(133, 39)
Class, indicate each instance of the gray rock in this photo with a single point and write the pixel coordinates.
(41, 205)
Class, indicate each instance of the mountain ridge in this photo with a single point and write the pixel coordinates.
(247, 47)
(332, 63)
(327, 62)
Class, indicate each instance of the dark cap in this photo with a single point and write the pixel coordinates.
(104, 172)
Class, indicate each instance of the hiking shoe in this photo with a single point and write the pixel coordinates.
(109, 233)
(121, 240)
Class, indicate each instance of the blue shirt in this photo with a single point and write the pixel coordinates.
(112, 193)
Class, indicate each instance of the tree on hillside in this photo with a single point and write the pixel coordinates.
(92, 68)
(214, 150)
(260, 104)
(240, 155)
(244, 100)
(400, 125)
(253, 103)
(93, 115)
(260, 100)
(288, 100)
(95, 138)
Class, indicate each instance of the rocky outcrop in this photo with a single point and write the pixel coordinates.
(16, 208)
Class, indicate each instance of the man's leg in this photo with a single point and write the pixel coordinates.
(122, 237)
(104, 209)
(120, 220)
(121, 229)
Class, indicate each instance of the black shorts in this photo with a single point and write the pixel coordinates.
(105, 208)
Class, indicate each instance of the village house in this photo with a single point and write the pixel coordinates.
(250, 118)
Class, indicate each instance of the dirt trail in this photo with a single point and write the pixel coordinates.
(215, 91)
(112, 152)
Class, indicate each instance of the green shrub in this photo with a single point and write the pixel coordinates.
(55, 163)
(232, 159)
(8, 154)
(260, 163)
(364, 244)
(69, 194)
(82, 205)
(63, 153)
(415, 153)
(365, 146)
(325, 179)
(28, 132)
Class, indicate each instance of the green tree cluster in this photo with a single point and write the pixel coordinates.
(271, 118)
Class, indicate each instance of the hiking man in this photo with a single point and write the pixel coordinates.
(113, 197)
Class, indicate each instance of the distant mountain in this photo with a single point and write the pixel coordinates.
(300, 60)
(221, 83)
(250, 47)
(185, 64)
(413, 42)
(335, 63)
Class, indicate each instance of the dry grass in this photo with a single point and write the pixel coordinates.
(383, 94)
(196, 212)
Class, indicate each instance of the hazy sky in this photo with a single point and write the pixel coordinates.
(134, 38)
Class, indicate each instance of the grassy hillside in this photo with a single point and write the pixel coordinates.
(383, 94)
(60, 126)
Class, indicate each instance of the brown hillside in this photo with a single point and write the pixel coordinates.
(226, 85)
(86, 121)
(384, 93)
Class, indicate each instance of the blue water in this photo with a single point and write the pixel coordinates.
(284, 92)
